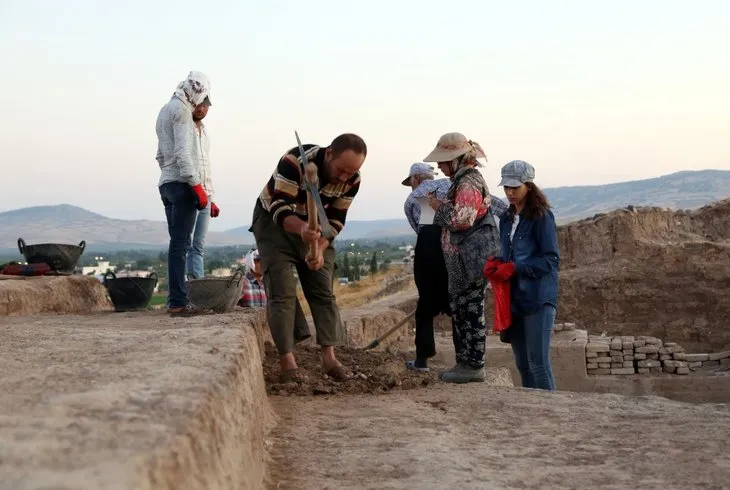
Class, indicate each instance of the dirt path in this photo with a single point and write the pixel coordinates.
(479, 436)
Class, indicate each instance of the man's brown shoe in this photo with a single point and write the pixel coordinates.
(188, 310)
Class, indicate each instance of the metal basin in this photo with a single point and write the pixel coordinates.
(219, 294)
(60, 257)
(130, 293)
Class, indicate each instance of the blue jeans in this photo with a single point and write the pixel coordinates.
(530, 340)
(181, 211)
(195, 255)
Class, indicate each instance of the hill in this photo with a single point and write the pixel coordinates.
(355, 230)
(681, 190)
(70, 224)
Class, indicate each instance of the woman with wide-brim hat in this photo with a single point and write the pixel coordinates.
(469, 236)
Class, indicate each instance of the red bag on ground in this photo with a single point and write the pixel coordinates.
(501, 291)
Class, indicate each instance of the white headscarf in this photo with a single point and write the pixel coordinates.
(249, 260)
(194, 89)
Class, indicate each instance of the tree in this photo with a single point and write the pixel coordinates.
(374, 263)
(356, 266)
(211, 265)
(346, 269)
(143, 264)
(385, 264)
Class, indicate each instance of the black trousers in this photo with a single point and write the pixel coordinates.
(432, 282)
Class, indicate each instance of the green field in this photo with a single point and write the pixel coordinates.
(158, 299)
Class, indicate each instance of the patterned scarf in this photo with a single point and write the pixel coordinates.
(194, 89)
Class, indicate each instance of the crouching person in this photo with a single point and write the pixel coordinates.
(253, 295)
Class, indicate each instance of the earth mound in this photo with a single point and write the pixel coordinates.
(374, 372)
(650, 271)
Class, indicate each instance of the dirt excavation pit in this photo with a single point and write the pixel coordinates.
(373, 372)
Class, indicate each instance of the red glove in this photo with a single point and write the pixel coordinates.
(504, 271)
(214, 210)
(201, 195)
(490, 267)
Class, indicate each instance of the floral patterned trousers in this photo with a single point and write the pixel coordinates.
(467, 307)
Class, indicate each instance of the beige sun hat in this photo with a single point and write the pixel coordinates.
(451, 146)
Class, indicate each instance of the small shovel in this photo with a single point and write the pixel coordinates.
(390, 332)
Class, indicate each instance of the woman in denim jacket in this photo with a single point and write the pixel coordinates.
(468, 236)
(531, 259)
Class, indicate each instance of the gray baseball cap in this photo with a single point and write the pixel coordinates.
(418, 169)
(516, 173)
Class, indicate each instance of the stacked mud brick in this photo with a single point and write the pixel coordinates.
(710, 360)
(645, 355)
(560, 327)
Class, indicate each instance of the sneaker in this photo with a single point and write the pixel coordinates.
(187, 310)
(454, 369)
(412, 366)
(463, 375)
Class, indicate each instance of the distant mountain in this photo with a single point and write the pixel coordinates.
(355, 229)
(681, 190)
(71, 224)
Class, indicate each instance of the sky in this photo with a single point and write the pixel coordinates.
(587, 92)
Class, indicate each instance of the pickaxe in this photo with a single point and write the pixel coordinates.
(390, 332)
(315, 210)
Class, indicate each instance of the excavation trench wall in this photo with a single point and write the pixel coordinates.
(141, 400)
(569, 366)
(568, 356)
(54, 295)
(107, 401)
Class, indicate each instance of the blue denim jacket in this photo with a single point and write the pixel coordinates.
(534, 250)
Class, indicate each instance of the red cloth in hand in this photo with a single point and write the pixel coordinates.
(201, 196)
(214, 210)
(502, 310)
(504, 271)
(498, 273)
(490, 267)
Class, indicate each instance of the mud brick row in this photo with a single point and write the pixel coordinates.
(559, 327)
(710, 360)
(623, 355)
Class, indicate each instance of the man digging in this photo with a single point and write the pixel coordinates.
(280, 226)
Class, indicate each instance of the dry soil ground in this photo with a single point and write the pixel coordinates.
(373, 373)
(487, 437)
(84, 398)
(420, 433)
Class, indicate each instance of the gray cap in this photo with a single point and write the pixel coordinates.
(516, 173)
(418, 169)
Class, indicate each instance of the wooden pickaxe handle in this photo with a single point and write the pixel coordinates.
(313, 223)
(390, 332)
